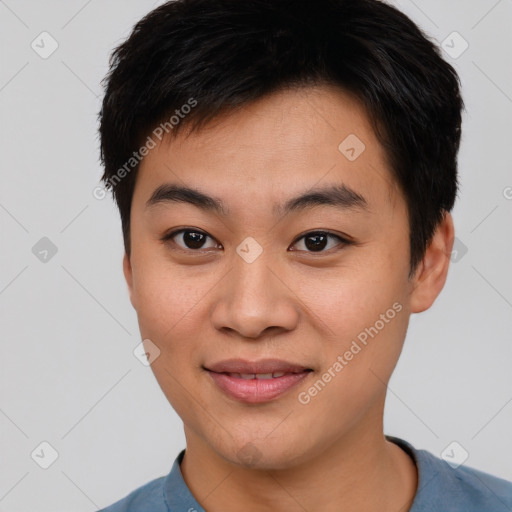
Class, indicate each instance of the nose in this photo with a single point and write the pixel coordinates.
(255, 298)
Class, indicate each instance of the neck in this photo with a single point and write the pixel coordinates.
(360, 471)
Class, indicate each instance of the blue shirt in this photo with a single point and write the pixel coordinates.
(441, 488)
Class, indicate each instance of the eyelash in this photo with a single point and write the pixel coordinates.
(343, 241)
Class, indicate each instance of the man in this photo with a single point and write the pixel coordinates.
(284, 173)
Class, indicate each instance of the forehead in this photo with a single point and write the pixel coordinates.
(274, 148)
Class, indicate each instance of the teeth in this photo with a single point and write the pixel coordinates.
(259, 376)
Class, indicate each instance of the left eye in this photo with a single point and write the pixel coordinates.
(316, 241)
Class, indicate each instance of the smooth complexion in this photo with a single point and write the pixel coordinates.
(205, 304)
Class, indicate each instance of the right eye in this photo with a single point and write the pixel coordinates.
(191, 239)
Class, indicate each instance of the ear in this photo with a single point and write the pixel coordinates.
(128, 275)
(430, 276)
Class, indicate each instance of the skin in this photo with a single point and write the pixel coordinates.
(199, 306)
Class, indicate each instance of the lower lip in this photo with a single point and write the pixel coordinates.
(257, 390)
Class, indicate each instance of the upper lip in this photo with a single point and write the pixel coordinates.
(260, 366)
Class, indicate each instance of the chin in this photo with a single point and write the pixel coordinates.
(261, 454)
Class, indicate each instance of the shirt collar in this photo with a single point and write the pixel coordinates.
(177, 495)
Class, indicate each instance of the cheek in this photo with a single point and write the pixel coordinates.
(357, 365)
(362, 314)
(167, 315)
(166, 298)
(346, 300)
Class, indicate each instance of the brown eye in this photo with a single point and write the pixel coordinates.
(317, 241)
(189, 239)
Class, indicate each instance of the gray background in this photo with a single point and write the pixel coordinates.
(68, 374)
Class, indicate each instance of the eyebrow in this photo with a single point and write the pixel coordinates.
(338, 195)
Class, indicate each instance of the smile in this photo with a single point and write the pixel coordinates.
(257, 387)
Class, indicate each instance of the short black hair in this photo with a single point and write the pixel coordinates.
(214, 56)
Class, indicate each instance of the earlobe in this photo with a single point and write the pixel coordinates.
(431, 274)
(128, 275)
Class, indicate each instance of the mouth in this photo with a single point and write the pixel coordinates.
(258, 381)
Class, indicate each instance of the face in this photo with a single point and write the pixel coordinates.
(304, 259)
